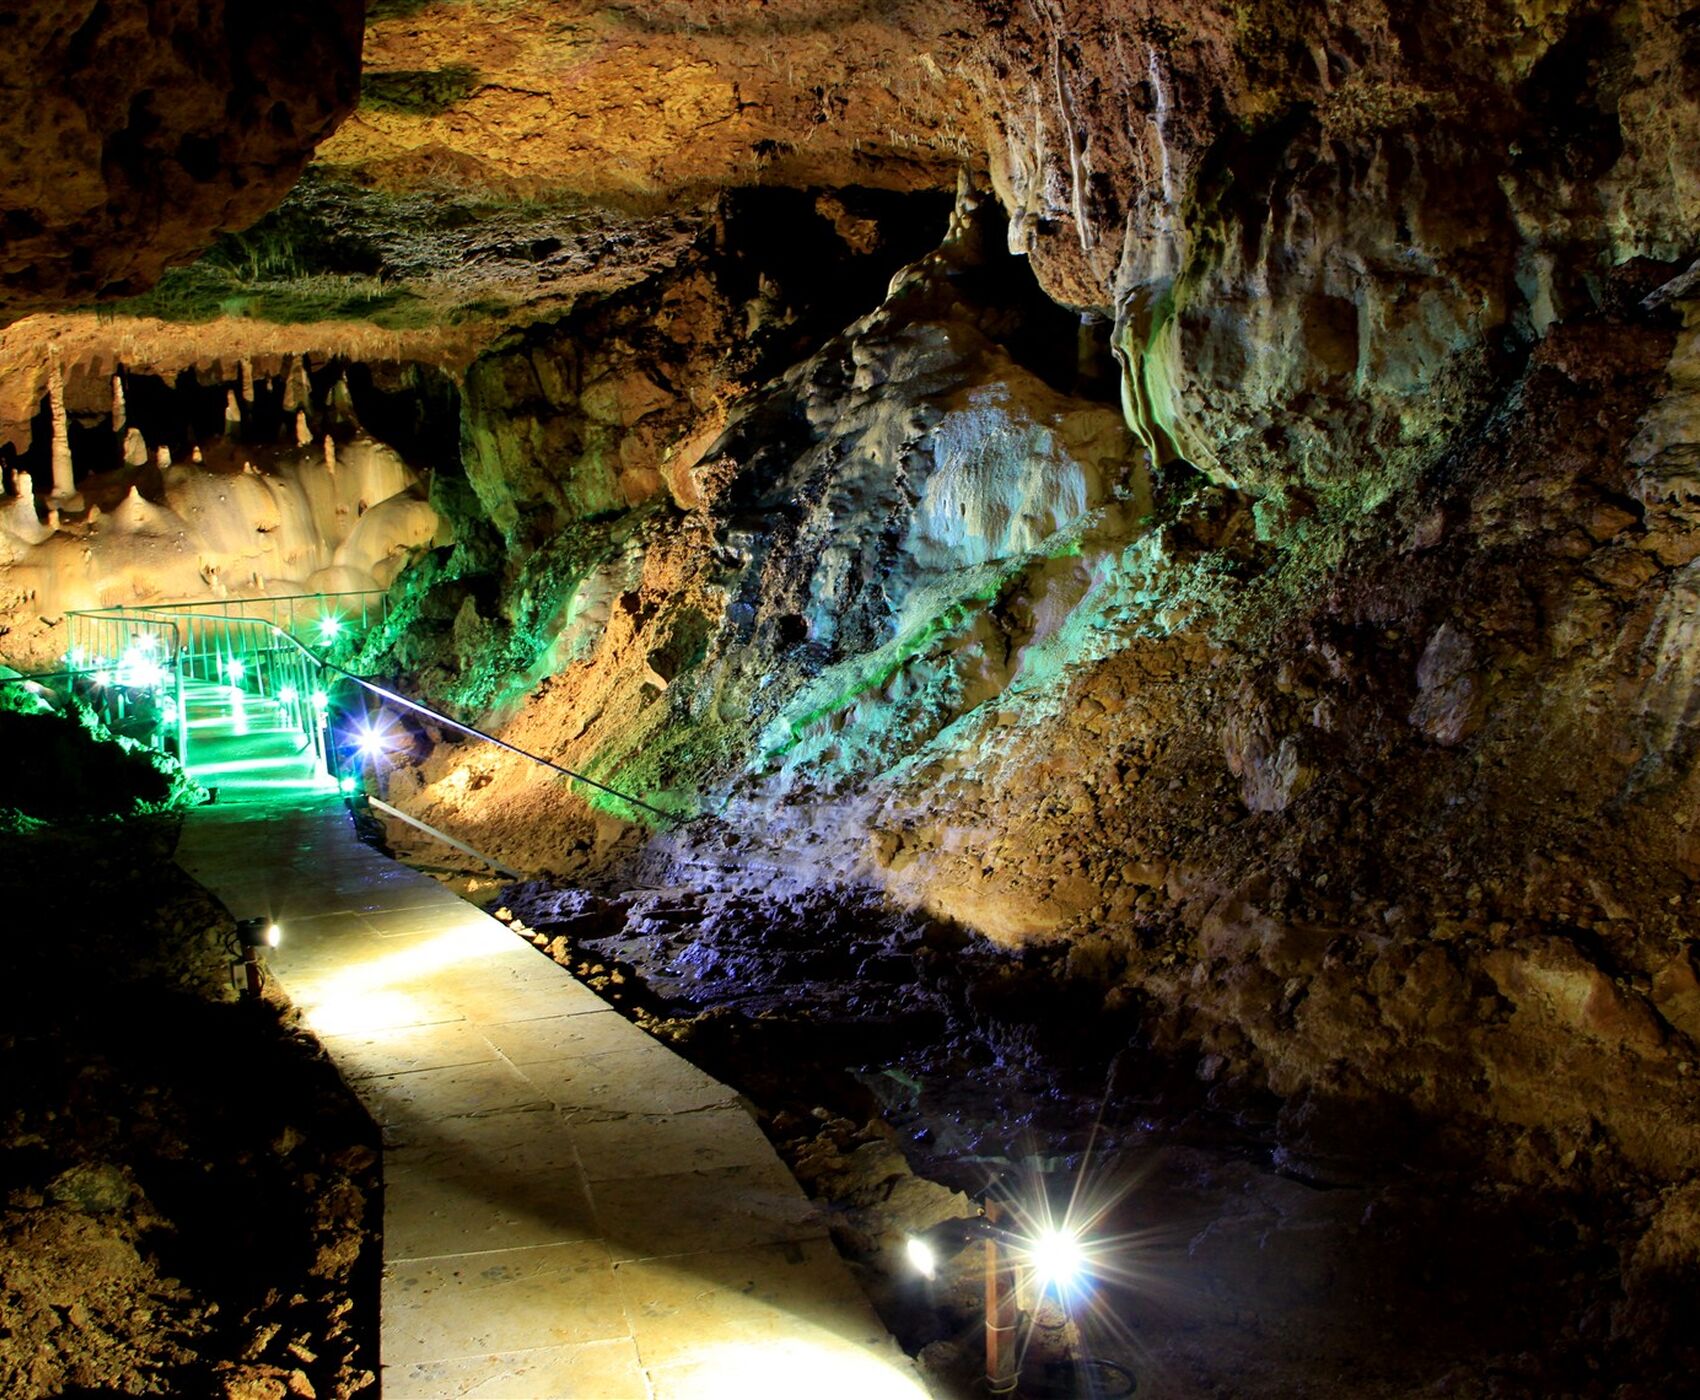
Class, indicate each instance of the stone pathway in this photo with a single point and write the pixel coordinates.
(243, 746)
(570, 1209)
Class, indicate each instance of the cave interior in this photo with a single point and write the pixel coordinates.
(1095, 607)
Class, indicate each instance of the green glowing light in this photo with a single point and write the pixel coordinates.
(329, 629)
(347, 783)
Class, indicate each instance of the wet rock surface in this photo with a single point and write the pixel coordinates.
(190, 1194)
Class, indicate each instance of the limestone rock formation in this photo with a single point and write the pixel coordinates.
(1232, 578)
(132, 132)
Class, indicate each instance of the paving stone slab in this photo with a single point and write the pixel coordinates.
(607, 1370)
(472, 1305)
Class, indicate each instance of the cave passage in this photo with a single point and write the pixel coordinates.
(935, 698)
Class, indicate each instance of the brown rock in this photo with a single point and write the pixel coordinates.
(1450, 701)
(1549, 978)
(1676, 994)
(141, 129)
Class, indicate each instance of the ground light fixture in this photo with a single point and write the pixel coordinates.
(1055, 1258)
(330, 628)
(140, 668)
(370, 742)
(253, 937)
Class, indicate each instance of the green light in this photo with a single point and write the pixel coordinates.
(347, 783)
(329, 628)
(236, 669)
(139, 668)
(321, 701)
(288, 695)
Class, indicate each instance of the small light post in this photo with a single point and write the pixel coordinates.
(1003, 1367)
(1054, 1256)
(253, 935)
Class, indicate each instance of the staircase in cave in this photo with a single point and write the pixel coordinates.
(248, 748)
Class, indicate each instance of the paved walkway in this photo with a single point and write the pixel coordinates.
(570, 1209)
(242, 745)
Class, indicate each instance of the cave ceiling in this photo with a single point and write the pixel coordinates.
(1306, 223)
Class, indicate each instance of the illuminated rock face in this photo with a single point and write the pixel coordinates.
(133, 131)
(297, 528)
(1306, 640)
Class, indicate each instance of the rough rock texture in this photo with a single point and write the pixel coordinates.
(1319, 788)
(136, 1147)
(131, 132)
(1315, 224)
(656, 102)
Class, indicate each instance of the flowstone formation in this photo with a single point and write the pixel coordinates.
(206, 483)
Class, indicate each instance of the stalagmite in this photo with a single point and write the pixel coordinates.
(119, 413)
(330, 455)
(21, 521)
(303, 434)
(134, 513)
(195, 455)
(232, 413)
(64, 474)
(162, 457)
(135, 448)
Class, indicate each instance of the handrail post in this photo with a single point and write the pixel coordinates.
(182, 715)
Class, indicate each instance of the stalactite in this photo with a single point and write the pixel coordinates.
(245, 377)
(64, 473)
(119, 413)
(341, 404)
(298, 389)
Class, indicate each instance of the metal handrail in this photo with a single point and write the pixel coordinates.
(393, 698)
(261, 608)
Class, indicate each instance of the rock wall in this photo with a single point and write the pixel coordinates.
(132, 131)
(1386, 810)
(1317, 225)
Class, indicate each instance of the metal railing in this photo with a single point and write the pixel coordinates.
(265, 658)
(102, 631)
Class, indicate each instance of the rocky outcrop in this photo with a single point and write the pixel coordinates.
(1319, 788)
(132, 132)
(1322, 223)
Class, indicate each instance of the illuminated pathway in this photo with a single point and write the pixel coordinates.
(570, 1209)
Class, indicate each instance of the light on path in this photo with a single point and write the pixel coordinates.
(1058, 1259)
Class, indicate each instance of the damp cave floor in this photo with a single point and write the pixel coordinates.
(569, 1207)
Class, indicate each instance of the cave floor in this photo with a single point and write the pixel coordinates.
(570, 1208)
